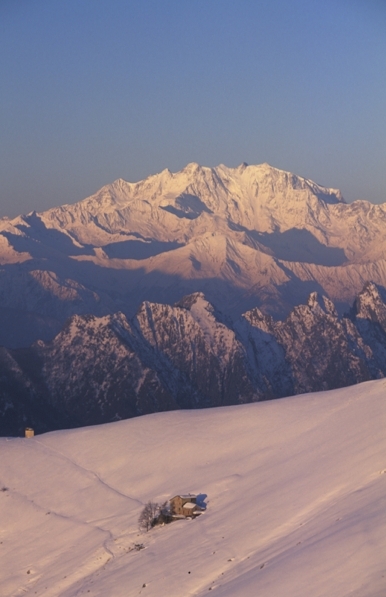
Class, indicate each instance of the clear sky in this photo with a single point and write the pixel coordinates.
(94, 90)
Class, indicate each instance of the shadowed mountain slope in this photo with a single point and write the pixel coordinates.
(255, 234)
(187, 356)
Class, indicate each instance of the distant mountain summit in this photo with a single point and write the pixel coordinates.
(246, 237)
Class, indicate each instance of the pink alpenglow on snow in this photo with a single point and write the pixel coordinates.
(296, 499)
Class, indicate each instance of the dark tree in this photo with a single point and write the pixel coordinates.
(149, 516)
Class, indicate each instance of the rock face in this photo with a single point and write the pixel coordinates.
(256, 235)
(202, 361)
(101, 369)
(316, 349)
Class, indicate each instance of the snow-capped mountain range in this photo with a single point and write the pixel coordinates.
(256, 235)
(210, 286)
(187, 356)
(203, 288)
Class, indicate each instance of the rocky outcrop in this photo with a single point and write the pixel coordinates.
(314, 348)
(101, 369)
(202, 361)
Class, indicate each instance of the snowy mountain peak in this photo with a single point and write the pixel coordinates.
(204, 312)
(253, 234)
(242, 167)
(369, 305)
(188, 301)
(321, 304)
(255, 316)
(192, 168)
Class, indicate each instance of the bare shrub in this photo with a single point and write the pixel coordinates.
(149, 516)
(153, 514)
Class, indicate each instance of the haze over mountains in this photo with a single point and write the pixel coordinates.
(211, 286)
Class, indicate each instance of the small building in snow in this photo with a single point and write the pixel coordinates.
(184, 505)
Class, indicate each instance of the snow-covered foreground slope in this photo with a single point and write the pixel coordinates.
(295, 492)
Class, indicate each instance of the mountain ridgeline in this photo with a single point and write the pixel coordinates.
(256, 235)
(88, 329)
(101, 369)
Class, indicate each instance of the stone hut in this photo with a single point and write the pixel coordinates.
(29, 432)
(184, 505)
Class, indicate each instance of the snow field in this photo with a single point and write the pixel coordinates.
(295, 492)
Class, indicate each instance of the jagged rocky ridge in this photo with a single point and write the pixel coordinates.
(100, 369)
(255, 234)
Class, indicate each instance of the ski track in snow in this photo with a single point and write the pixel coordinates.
(110, 548)
(89, 472)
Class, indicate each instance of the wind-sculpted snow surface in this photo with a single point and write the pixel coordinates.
(101, 369)
(294, 492)
(252, 235)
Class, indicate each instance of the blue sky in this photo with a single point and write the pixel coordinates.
(94, 90)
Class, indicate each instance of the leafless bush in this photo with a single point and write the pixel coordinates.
(148, 517)
(153, 514)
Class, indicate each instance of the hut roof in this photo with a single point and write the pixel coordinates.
(190, 505)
